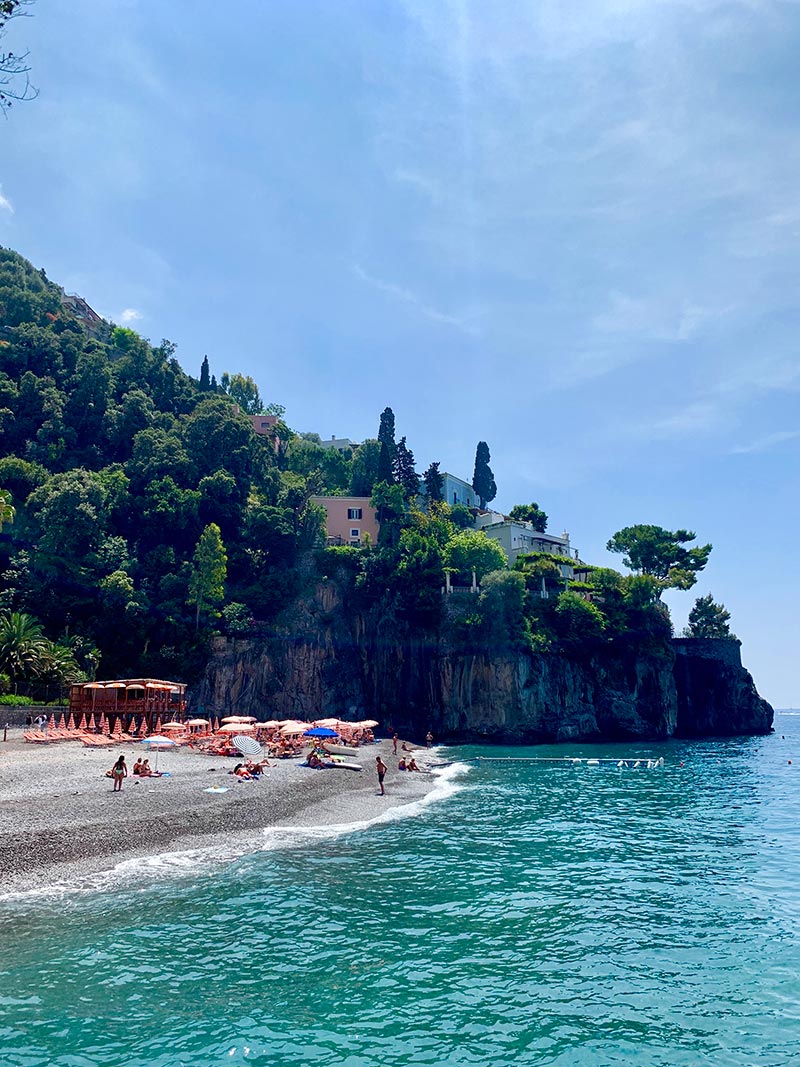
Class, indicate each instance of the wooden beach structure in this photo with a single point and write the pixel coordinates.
(126, 699)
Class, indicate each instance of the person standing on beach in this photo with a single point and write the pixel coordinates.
(428, 739)
(394, 742)
(118, 772)
(380, 767)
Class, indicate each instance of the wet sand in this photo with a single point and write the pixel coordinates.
(60, 820)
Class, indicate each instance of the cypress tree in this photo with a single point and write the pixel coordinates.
(483, 480)
(386, 461)
(405, 471)
(205, 381)
(434, 483)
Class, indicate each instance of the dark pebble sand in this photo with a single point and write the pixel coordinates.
(60, 820)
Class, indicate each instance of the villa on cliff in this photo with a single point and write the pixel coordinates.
(350, 520)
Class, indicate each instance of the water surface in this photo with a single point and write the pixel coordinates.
(539, 915)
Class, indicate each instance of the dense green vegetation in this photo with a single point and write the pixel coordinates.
(140, 512)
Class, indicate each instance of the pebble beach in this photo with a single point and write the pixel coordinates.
(60, 822)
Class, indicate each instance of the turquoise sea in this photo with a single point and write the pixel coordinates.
(527, 915)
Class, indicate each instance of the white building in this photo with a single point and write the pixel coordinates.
(516, 538)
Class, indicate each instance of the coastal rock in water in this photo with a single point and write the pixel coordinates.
(716, 695)
(323, 660)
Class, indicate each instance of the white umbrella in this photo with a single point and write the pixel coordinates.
(156, 743)
(237, 728)
(248, 746)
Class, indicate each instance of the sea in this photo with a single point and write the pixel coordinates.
(525, 913)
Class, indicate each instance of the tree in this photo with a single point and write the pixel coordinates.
(205, 380)
(433, 480)
(14, 69)
(404, 470)
(6, 508)
(531, 513)
(579, 623)
(22, 645)
(659, 553)
(472, 552)
(210, 568)
(390, 506)
(707, 619)
(483, 480)
(244, 391)
(364, 473)
(386, 460)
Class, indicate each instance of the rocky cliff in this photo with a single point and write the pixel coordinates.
(325, 661)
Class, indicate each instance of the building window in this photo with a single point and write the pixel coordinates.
(355, 533)
(354, 513)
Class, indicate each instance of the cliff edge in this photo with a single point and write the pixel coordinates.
(321, 660)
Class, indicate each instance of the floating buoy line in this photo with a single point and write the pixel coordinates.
(631, 763)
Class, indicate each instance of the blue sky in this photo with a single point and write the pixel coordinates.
(568, 230)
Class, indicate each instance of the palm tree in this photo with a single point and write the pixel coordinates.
(22, 645)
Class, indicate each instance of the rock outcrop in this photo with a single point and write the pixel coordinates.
(324, 661)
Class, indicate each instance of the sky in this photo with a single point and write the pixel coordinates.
(571, 231)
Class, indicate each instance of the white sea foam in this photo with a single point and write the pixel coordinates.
(139, 873)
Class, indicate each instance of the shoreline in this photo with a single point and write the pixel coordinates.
(61, 824)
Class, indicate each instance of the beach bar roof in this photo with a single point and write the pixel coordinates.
(147, 697)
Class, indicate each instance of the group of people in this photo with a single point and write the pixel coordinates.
(250, 770)
(119, 772)
(144, 770)
(407, 763)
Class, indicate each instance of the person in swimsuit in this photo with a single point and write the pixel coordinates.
(394, 742)
(118, 772)
(380, 767)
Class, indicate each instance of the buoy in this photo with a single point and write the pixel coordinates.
(593, 763)
(682, 764)
(638, 763)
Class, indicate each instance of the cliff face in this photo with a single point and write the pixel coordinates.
(324, 662)
(716, 695)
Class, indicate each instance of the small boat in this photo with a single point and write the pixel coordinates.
(340, 750)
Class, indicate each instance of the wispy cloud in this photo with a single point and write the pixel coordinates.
(5, 203)
(130, 315)
(406, 296)
(654, 319)
(762, 444)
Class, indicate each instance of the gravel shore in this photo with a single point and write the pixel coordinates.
(60, 820)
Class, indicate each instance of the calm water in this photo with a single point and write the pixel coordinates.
(533, 916)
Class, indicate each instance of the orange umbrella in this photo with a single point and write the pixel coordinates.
(71, 723)
(132, 728)
(158, 725)
(82, 724)
(92, 723)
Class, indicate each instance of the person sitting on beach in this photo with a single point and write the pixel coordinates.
(313, 760)
(401, 765)
(137, 767)
(411, 764)
(146, 771)
(242, 772)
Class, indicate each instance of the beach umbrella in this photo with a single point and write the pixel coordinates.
(143, 727)
(118, 726)
(216, 725)
(198, 722)
(92, 723)
(174, 726)
(369, 723)
(158, 725)
(293, 728)
(132, 727)
(71, 723)
(157, 743)
(135, 685)
(94, 685)
(248, 746)
(114, 685)
(234, 718)
(236, 728)
(320, 731)
(82, 724)
(326, 722)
